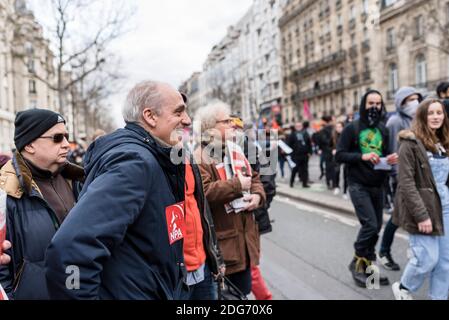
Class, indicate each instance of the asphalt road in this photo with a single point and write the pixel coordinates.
(307, 255)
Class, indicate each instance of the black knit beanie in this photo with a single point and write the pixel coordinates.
(31, 124)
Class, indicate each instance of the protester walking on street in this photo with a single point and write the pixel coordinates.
(41, 187)
(126, 233)
(407, 100)
(422, 201)
(237, 232)
(324, 141)
(299, 140)
(336, 135)
(363, 144)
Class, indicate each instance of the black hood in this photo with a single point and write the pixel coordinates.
(364, 113)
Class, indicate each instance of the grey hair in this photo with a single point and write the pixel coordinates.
(144, 95)
(206, 117)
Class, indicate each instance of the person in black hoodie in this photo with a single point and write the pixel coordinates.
(299, 140)
(362, 146)
(124, 238)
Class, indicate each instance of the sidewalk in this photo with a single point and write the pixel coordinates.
(317, 194)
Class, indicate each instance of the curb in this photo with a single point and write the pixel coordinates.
(316, 203)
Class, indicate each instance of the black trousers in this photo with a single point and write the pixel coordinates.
(368, 203)
(302, 169)
(242, 280)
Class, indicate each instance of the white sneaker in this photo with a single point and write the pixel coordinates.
(345, 196)
(400, 294)
(336, 191)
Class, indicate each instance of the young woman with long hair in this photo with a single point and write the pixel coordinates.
(422, 201)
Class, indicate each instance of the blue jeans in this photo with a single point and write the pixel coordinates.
(204, 290)
(282, 165)
(430, 258)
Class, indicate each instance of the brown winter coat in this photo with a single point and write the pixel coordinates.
(238, 234)
(417, 197)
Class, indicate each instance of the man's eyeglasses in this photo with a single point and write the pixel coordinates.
(57, 138)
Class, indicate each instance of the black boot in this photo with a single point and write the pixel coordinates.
(357, 268)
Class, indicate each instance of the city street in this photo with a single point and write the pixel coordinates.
(307, 254)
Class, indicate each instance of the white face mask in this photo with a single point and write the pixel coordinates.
(411, 108)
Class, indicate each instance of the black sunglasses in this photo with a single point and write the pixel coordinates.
(57, 138)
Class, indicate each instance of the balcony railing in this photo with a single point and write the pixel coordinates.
(321, 90)
(338, 5)
(322, 64)
(391, 49)
(340, 30)
(364, 17)
(352, 24)
(366, 46)
(353, 51)
(367, 75)
(355, 79)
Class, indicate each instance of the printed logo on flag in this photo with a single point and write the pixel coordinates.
(175, 222)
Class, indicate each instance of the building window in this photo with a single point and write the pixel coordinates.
(365, 6)
(421, 71)
(29, 50)
(353, 12)
(391, 40)
(30, 65)
(354, 68)
(32, 86)
(387, 3)
(365, 34)
(393, 80)
(419, 27)
(366, 64)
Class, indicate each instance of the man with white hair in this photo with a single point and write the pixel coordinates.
(124, 238)
(237, 232)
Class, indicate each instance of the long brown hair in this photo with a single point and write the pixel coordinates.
(424, 133)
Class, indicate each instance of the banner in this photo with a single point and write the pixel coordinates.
(306, 111)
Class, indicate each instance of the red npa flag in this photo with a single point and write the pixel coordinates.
(3, 295)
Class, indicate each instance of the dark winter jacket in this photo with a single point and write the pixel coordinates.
(417, 197)
(324, 140)
(301, 144)
(117, 234)
(350, 153)
(31, 224)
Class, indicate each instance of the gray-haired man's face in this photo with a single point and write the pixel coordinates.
(173, 118)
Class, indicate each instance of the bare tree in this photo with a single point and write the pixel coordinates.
(81, 33)
(92, 93)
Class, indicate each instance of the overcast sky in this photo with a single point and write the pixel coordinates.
(172, 38)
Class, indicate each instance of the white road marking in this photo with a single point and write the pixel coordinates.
(352, 222)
